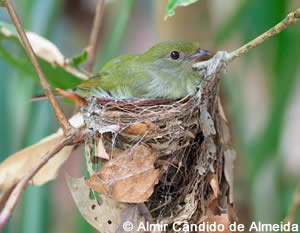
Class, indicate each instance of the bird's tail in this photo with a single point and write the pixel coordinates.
(60, 93)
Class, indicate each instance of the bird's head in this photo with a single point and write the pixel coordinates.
(180, 54)
(170, 65)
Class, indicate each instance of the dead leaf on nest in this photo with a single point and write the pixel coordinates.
(206, 121)
(141, 128)
(14, 168)
(229, 156)
(135, 215)
(214, 184)
(104, 216)
(211, 206)
(130, 177)
(221, 110)
(129, 214)
(222, 220)
(232, 214)
(224, 131)
(100, 150)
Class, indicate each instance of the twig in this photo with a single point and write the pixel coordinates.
(20, 187)
(5, 195)
(294, 207)
(94, 36)
(62, 119)
(290, 19)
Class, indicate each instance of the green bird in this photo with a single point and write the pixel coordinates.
(164, 71)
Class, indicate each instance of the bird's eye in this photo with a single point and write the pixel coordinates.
(174, 55)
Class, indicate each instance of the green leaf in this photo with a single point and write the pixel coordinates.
(172, 4)
(78, 60)
(2, 4)
(58, 73)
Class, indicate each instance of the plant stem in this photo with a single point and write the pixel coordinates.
(292, 212)
(290, 19)
(92, 48)
(62, 119)
(20, 187)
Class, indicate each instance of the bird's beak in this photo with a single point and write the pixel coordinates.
(200, 55)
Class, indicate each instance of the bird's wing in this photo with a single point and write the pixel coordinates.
(93, 81)
(92, 87)
(122, 77)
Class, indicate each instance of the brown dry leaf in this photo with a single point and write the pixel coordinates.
(46, 50)
(213, 213)
(14, 168)
(221, 110)
(100, 151)
(141, 128)
(206, 122)
(212, 207)
(106, 216)
(130, 177)
(222, 220)
(4, 196)
(224, 131)
(232, 214)
(229, 156)
(214, 184)
(132, 215)
(136, 214)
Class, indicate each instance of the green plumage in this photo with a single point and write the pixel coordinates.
(157, 73)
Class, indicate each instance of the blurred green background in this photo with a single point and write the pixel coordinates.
(259, 95)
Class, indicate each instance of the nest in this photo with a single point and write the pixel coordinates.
(188, 138)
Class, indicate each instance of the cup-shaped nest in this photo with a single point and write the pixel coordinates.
(190, 139)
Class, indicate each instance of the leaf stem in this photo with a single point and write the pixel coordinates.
(92, 48)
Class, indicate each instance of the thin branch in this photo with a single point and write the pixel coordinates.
(294, 207)
(5, 195)
(92, 47)
(20, 187)
(62, 119)
(290, 19)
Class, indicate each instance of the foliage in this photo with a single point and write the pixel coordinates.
(172, 4)
(80, 59)
(11, 50)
